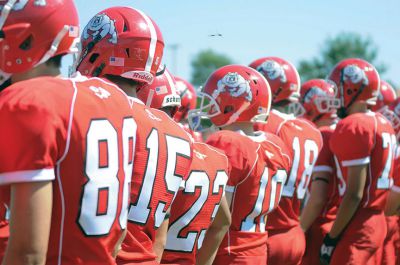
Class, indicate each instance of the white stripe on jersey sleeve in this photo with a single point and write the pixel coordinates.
(356, 162)
(46, 174)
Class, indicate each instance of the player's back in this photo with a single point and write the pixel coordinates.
(82, 130)
(162, 163)
(258, 168)
(366, 138)
(305, 142)
(195, 207)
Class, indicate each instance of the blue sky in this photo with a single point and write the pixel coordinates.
(291, 29)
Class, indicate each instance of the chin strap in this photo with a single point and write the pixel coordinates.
(5, 12)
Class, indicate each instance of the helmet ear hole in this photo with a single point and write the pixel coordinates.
(27, 43)
(127, 52)
(228, 109)
(93, 57)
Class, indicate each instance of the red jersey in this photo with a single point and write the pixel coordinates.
(195, 207)
(162, 163)
(81, 133)
(326, 163)
(396, 171)
(361, 139)
(258, 168)
(305, 141)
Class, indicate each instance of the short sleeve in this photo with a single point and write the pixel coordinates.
(353, 141)
(238, 163)
(29, 134)
(325, 158)
(396, 173)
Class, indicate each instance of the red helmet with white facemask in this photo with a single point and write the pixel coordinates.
(357, 81)
(387, 95)
(161, 93)
(33, 31)
(232, 93)
(188, 98)
(121, 41)
(319, 101)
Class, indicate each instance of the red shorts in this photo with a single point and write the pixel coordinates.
(363, 239)
(240, 260)
(314, 238)
(389, 251)
(286, 246)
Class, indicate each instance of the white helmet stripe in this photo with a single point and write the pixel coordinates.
(170, 82)
(153, 41)
(6, 11)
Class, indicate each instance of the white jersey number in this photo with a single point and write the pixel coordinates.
(249, 223)
(197, 179)
(103, 179)
(310, 157)
(389, 143)
(139, 212)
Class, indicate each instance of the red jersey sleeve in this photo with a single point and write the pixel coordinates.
(32, 137)
(241, 158)
(353, 140)
(325, 158)
(396, 172)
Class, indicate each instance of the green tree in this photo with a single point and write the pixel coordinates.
(204, 63)
(342, 46)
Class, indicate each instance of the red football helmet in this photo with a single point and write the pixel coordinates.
(282, 76)
(387, 95)
(319, 99)
(356, 80)
(161, 93)
(121, 41)
(31, 32)
(231, 94)
(392, 113)
(188, 98)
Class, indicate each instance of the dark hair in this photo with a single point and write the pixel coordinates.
(55, 61)
(6, 84)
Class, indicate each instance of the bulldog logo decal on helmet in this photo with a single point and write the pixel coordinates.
(273, 70)
(354, 74)
(235, 84)
(99, 27)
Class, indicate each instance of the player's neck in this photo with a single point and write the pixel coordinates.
(245, 127)
(128, 86)
(40, 70)
(357, 107)
(325, 122)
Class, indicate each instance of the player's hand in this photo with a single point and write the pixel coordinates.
(327, 249)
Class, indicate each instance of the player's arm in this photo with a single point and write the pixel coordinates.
(317, 200)
(161, 237)
(215, 234)
(31, 206)
(356, 180)
(393, 202)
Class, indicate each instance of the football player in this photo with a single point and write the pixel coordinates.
(163, 149)
(195, 206)
(387, 95)
(67, 144)
(391, 248)
(363, 144)
(318, 98)
(189, 102)
(305, 142)
(233, 97)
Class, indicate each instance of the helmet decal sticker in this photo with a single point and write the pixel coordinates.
(22, 3)
(355, 74)
(99, 27)
(312, 92)
(235, 84)
(273, 70)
